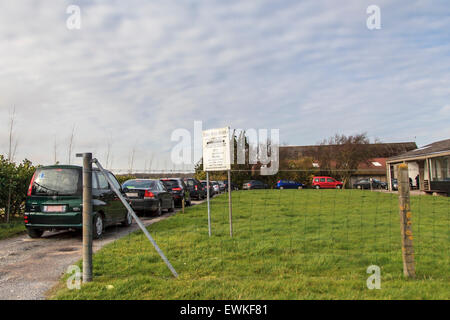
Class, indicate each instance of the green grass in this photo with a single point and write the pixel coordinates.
(15, 227)
(289, 244)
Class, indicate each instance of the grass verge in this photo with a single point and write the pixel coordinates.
(288, 244)
(15, 227)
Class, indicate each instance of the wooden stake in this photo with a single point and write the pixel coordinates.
(406, 222)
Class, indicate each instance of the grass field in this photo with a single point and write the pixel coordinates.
(15, 227)
(289, 244)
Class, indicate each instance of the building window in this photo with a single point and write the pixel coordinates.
(440, 169)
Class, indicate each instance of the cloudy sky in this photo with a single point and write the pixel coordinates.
(138, 70)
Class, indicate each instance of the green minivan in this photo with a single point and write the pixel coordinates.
(54, 201)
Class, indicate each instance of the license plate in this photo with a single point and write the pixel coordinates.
(132, 195)
(54, 208)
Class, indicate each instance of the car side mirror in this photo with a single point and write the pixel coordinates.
(125, 190)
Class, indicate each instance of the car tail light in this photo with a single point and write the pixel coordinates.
(176, 189)
(148, 194)
(196, 188)
(30, 188)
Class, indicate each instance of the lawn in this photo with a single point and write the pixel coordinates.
(288, 244)
(15, 227)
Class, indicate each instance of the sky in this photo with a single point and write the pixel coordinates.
(136, 71)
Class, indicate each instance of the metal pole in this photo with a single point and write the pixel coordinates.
(207, 200)
(229, 203)
(136, 218)
(87, 216)
(405, 221)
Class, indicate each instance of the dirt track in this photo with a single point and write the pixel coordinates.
(30, 267)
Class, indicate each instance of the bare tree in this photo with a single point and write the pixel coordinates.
(12, 148)
(71, 142)
(131, 160)
(342, 155)
(55, 151)
(108, 153)
(150, 164)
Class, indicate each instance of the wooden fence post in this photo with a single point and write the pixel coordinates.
(405, 221)
(182, 205)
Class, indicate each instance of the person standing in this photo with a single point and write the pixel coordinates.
(417, 182)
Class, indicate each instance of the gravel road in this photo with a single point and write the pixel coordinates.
(30, 267)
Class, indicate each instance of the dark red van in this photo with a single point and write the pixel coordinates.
(326, 183)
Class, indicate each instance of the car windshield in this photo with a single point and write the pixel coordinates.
(140, 184)
(171, 184)
(56, 181)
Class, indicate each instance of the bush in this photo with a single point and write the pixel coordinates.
(124, 178)
(14, 181)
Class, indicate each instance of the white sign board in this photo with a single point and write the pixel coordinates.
(216, 149)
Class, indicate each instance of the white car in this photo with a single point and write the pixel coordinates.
(216, 187)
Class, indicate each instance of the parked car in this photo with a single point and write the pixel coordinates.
(288, 184)
(211, 191)
(394, 184)
(196, 188)
(326, 183)
(54, 201)
(233, 186)
(253, 184)
(148, 195)
(215, 186)
(221, 185)
(179, 190)
(365, 184)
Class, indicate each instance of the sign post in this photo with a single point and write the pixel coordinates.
(230, 211)
(87, 216)
(209, 209)
(217, 157)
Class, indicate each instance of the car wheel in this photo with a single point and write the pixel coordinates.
(97, 228)
(35, 233)
(338, 187)
(172, 207)
(317, 187)
(128, 220)
(281, 188)
(358, 187)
